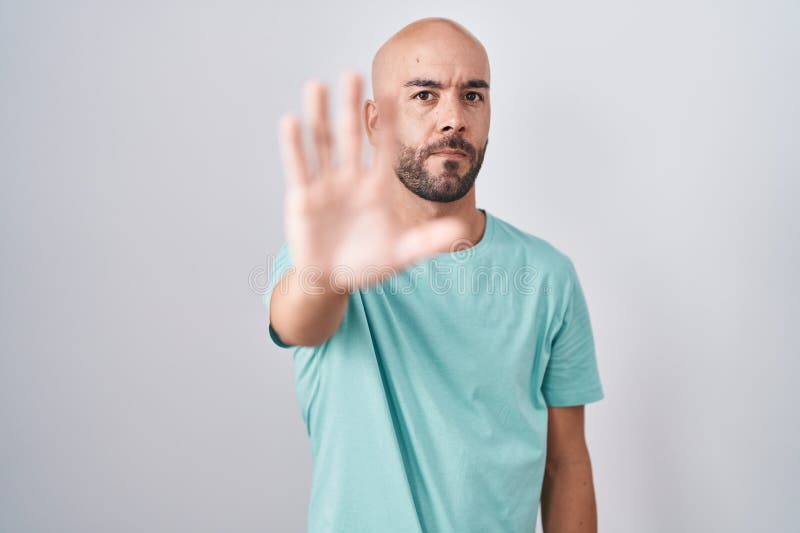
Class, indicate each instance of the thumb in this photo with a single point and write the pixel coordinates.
(428, 239)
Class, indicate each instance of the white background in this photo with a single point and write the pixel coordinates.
(656, 143)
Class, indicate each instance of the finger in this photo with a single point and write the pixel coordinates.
(317, 116)
(350, 133)
(429, 239)
(291, 143)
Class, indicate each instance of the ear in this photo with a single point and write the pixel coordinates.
(370, 120)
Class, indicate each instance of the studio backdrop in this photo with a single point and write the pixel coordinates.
(655, 143)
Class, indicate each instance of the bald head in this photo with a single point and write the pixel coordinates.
(430, 84)
(429, 42)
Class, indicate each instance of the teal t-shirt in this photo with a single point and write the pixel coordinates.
(427, 409)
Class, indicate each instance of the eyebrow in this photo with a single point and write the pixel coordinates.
(419, 82)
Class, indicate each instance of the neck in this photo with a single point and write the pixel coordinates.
(413, 210)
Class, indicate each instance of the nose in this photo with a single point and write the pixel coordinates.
(451, 117)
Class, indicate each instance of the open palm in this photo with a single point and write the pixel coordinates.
(341, 220)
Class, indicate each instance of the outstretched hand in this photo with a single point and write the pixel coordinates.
(340, 215)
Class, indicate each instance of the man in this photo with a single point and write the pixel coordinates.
(435, 400)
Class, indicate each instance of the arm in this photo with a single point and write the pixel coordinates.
(568, 500)
(341, 219)
(305, 313)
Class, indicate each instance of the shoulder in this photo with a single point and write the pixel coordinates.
(516, 245)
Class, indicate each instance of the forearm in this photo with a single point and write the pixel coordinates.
(305, 313)
(568, 500)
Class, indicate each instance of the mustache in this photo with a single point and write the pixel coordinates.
(454, 142)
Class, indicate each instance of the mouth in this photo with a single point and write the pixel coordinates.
(450, 153)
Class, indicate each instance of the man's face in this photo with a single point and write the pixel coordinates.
(441, 95)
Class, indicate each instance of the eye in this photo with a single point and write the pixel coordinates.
(424, 95)
(473, 96)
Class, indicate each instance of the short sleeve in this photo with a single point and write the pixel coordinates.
(571, 376)
(280, 266)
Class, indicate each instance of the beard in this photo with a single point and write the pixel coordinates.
(446, 186)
